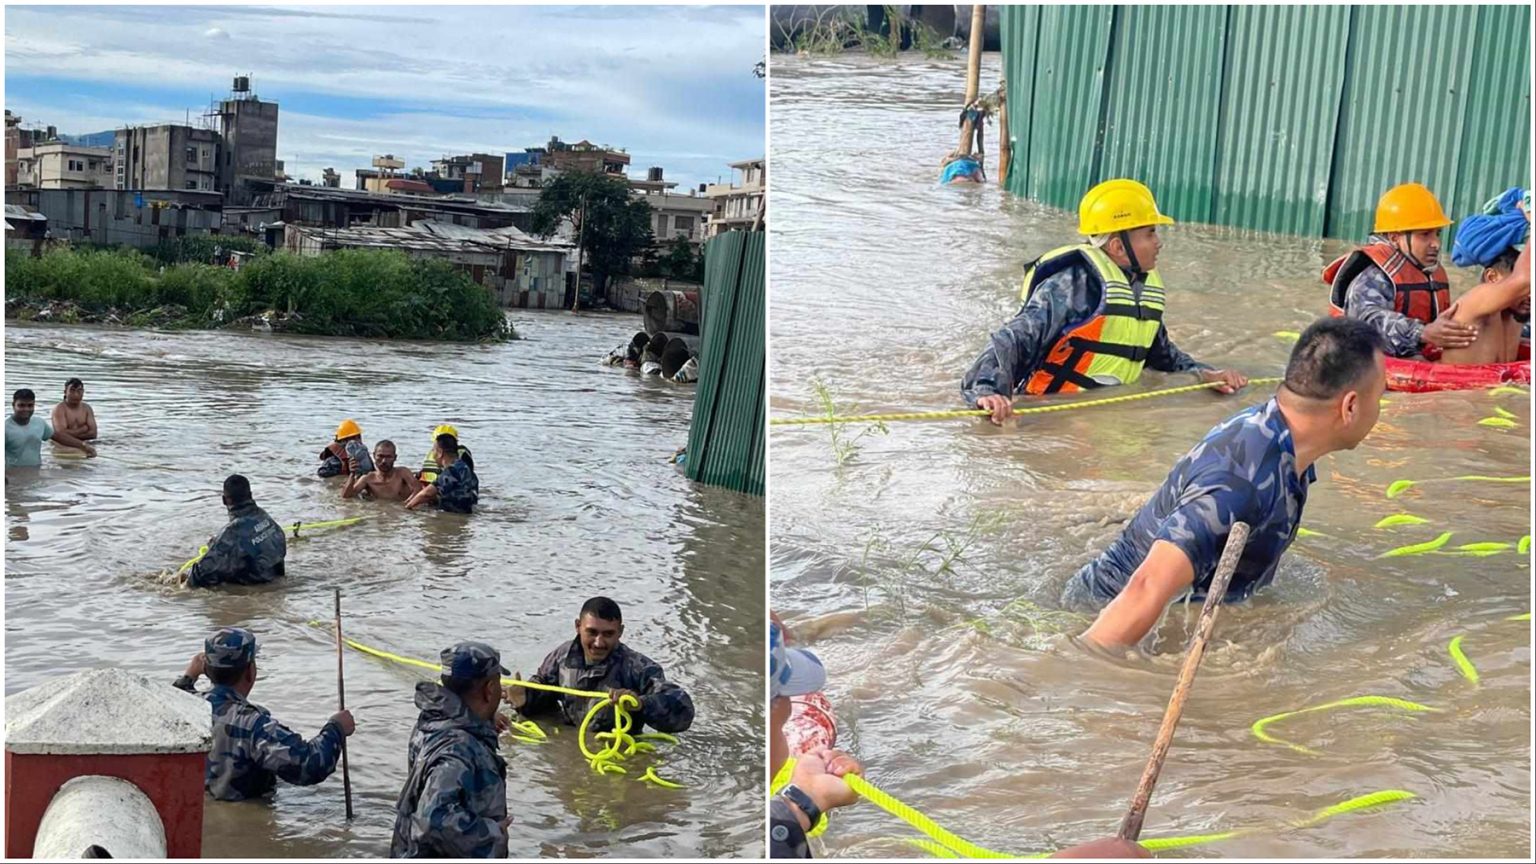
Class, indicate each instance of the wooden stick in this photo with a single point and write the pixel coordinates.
(1005, 139)
(341, 698)
(1130, 828)
(972, 77)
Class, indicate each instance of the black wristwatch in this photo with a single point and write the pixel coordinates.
(800, 798)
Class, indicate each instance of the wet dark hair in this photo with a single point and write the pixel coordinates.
(237, 489)
(448, 442)
(24, 395)
(385, 443)
(226, 677)
(74, 382)
(1331, 357)
(602, 607)
(1505, 263)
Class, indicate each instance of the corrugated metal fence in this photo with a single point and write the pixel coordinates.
(725, 440)
(1291, 119)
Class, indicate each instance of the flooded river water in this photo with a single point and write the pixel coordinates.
(972, 705)
(577, 499)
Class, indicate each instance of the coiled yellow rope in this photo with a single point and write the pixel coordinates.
(621, 744)
(982, 412)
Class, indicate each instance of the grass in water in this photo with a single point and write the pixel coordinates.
(833, 33)
(941, 555)
(844, 445)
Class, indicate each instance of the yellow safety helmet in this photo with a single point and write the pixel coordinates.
(444, 429)
(1118, 205)
(347, 429)
(1409, 207)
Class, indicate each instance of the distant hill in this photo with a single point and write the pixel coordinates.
(93, 139)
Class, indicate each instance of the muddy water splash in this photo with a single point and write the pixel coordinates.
(925, 568)
(577, 499)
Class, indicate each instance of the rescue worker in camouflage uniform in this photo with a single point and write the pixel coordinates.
(1254, 467)
(454, 802)
(249, 551)
(597, 660)
(251, 751)
(456, 489)
(1092, 314)
(1395, 282)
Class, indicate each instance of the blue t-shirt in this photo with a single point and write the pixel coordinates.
(24, 444)
(1244, 470)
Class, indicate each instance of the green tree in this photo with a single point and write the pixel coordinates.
(613, 225)
(679, 263)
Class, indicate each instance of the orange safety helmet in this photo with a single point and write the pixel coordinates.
(347, 429)
(1409, 207)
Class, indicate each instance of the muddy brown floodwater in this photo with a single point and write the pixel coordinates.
(973, 706)
(577, 499)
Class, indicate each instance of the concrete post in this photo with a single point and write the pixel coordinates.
(100, 724)
(104, 816)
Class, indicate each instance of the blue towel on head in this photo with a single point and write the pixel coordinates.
(1483, 237)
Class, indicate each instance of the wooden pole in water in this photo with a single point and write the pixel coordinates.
(1004, 139)
(973, 74)
(1130, 828)
(341, 698)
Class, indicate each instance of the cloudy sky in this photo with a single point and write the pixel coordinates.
(671, 85)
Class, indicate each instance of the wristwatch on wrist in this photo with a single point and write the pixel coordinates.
(801, 799)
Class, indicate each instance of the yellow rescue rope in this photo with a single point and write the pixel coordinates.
(982, 412)
(621, 744)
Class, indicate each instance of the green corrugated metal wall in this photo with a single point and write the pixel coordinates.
(725, 438)
(1291, 119)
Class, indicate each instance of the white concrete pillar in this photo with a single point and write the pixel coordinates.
(103, 812)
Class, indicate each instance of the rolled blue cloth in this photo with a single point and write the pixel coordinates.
(962, 167)
(1483, 237)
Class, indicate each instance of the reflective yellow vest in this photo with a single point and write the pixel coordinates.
(1109, 348)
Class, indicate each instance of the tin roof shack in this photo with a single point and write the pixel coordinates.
(518, 269)
(124, 217)
(345, 208)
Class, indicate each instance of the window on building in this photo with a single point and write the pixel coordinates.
(76, 165)
(192, 155)
(684, 224)
(661, 224)
(92, 164)
(191, 184)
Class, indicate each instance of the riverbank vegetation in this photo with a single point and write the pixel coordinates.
(835, 30)
(363, 292)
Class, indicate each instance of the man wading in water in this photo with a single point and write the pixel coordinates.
(74, 415)
(456, 488)
(1254, 467)
(1092, 314)
(24, 435)
(385, 482)
(249, 551)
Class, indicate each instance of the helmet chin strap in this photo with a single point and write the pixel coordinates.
(1407, 249)
(1125, 243)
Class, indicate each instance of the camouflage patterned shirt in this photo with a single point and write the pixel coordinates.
(1371, 298)
(249, 551)
(251, 751)
(664, 705)
(1059, 303)
(1244, 470)
(455, 797)
(458, 489)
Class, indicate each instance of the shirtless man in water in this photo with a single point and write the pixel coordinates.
(385, 482)
(1504, 289)
(74, 416)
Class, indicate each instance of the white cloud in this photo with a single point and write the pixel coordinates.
(673, 85)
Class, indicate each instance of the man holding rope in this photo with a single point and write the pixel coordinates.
(1255, 467)
(1092, 314)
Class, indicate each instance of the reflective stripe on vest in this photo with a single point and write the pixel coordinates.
(1416, 294)
(1113, 344)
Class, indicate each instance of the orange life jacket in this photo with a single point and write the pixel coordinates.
(1113, 344)
(339, 450)
(1419, 295)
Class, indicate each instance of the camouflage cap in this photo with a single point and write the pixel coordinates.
(471, 661)
(229, 648)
